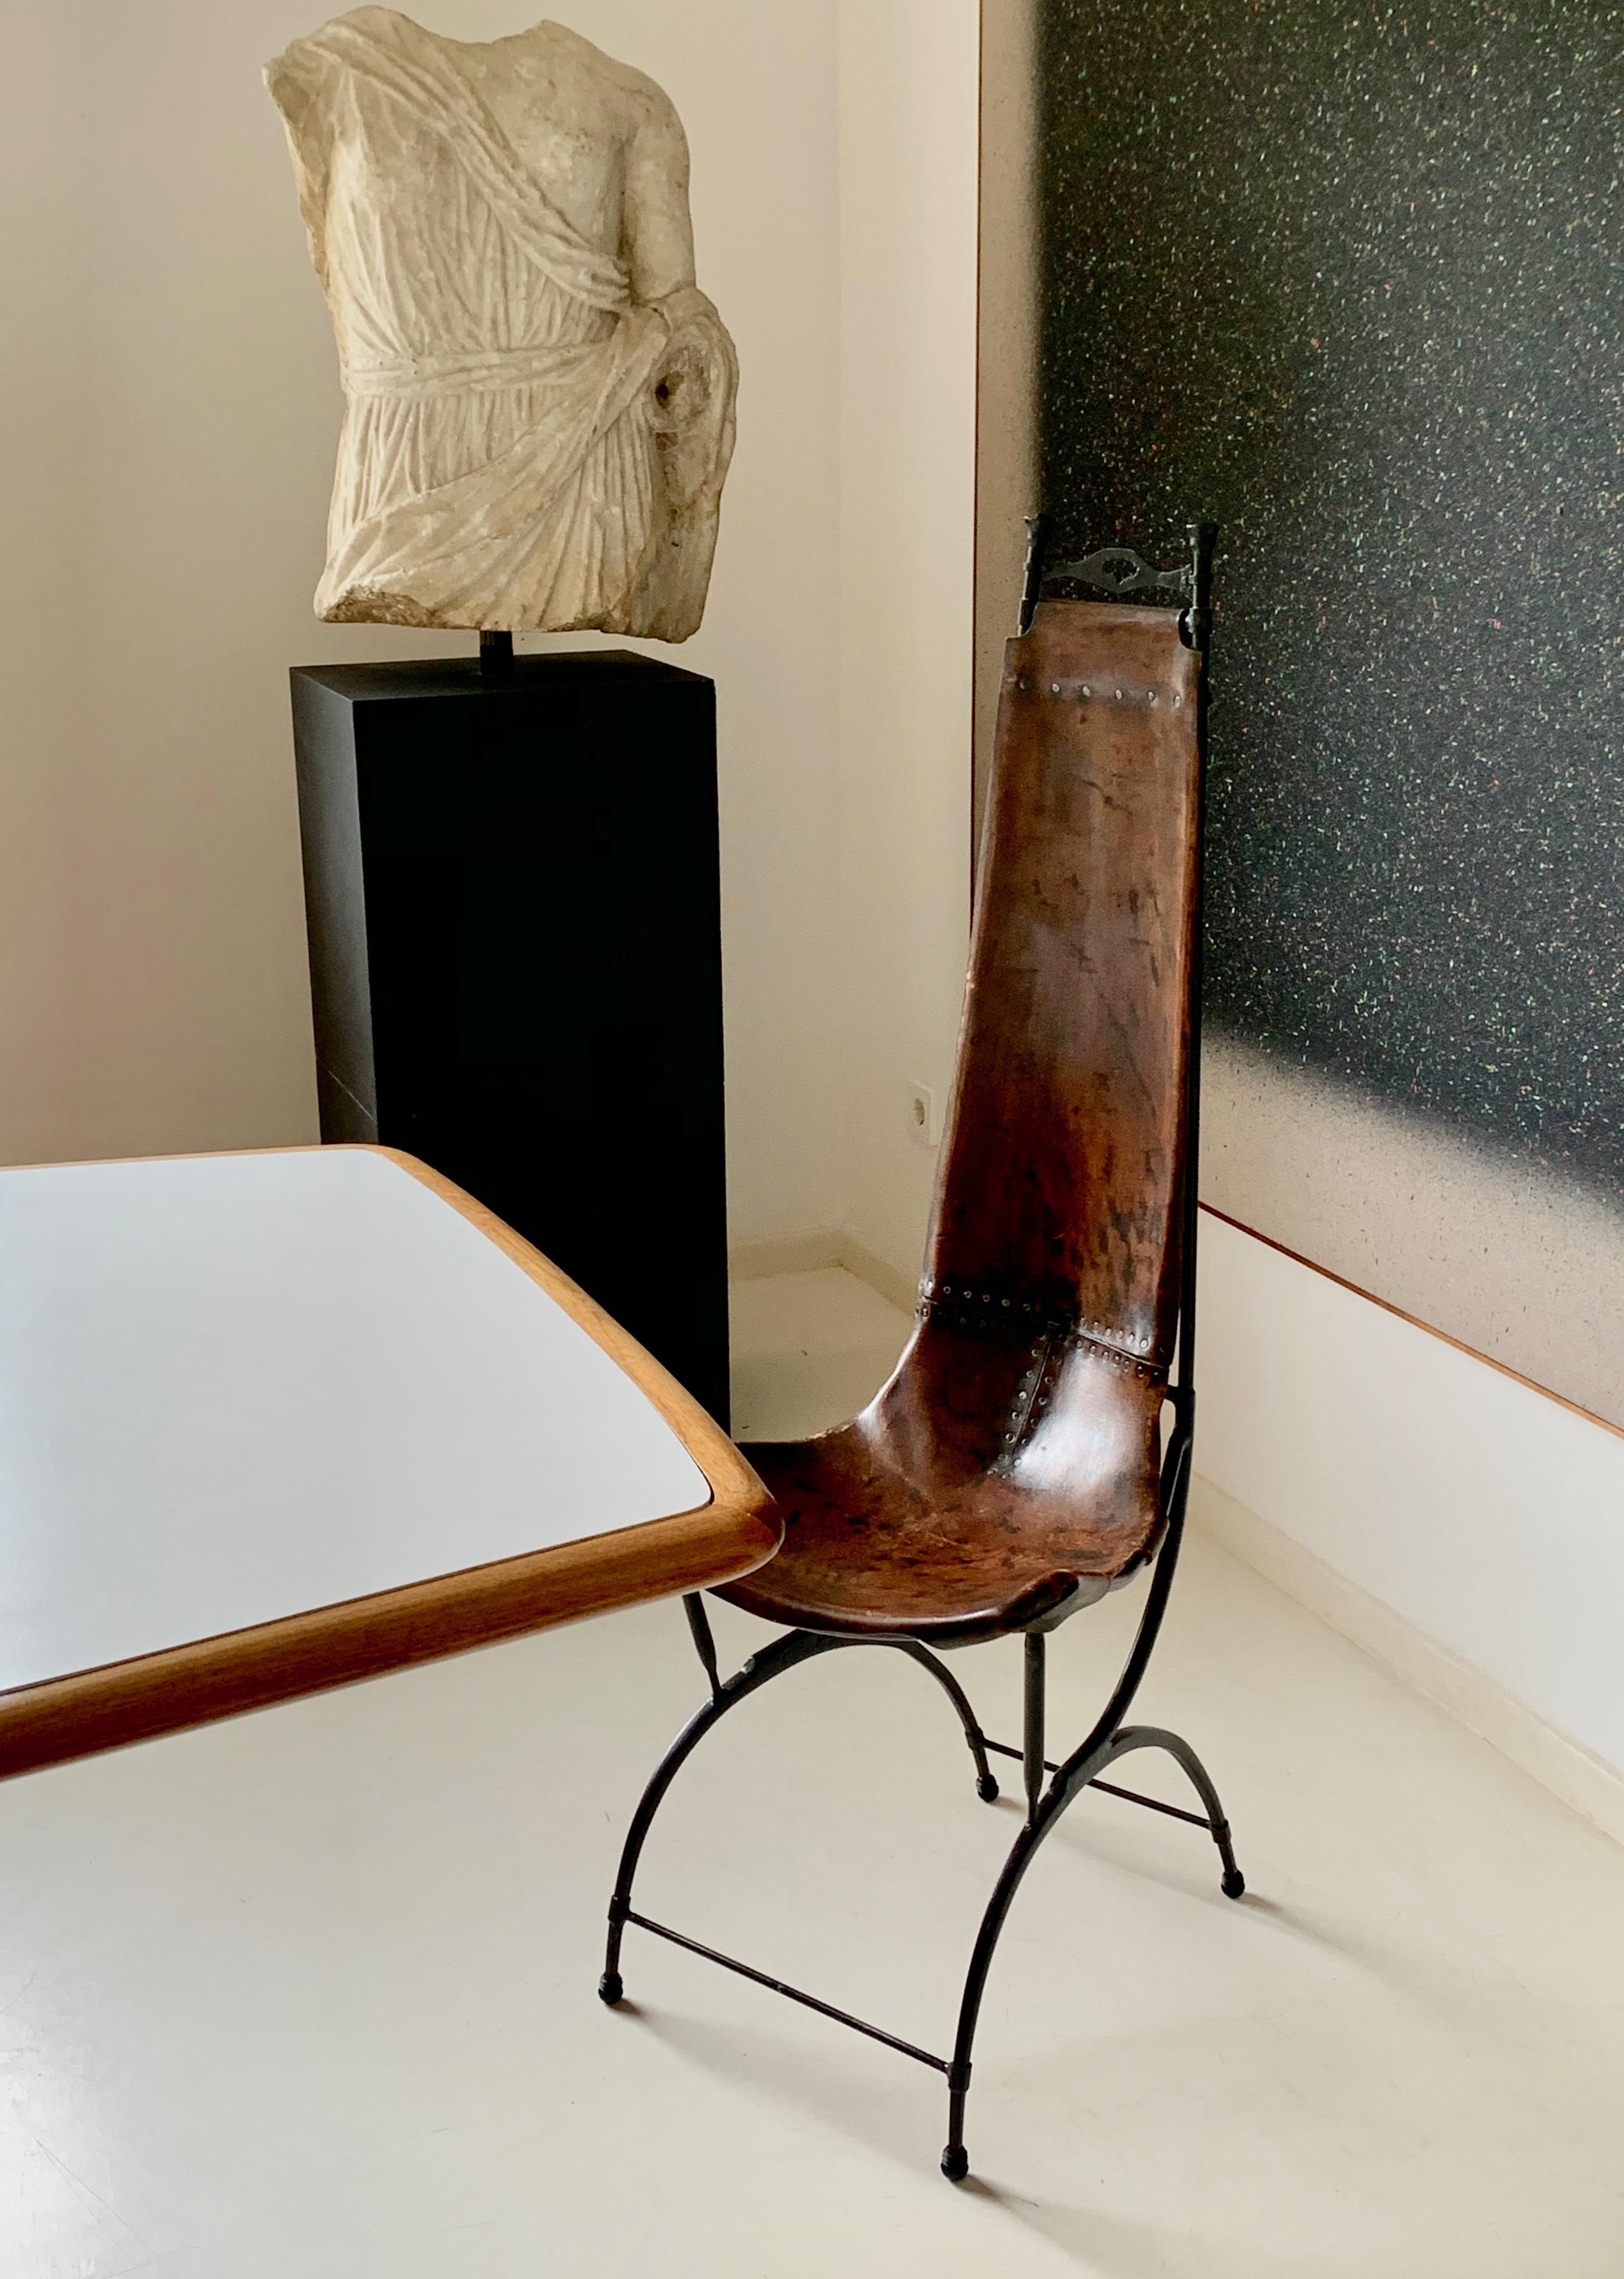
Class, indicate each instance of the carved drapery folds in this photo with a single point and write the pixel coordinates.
(539, 400)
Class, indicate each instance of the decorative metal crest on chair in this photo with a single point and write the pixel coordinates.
(1013, 1470)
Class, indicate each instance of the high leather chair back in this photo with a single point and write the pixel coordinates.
(1013, 1468)
(1061, 1178)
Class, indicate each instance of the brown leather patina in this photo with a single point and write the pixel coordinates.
(1008, 1473)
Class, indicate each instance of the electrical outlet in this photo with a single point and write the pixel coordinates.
(923, 1117)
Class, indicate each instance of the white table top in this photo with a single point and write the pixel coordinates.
(236, 1387)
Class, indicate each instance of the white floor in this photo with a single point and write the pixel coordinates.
(809, 1350)
(313, 1993)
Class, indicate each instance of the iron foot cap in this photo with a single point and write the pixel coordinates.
(609, 1988)
(1234, 1883)
(986, 1789)
(955, 2164)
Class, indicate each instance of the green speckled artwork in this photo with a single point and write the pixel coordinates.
(1348, 277)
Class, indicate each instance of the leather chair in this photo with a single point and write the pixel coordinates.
(1033, 1449)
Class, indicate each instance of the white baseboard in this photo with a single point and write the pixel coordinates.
(900, 1289)
(829, 1245)
(1561, 1764)
(784, 1254)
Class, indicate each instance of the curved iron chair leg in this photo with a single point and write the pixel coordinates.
(782, 1654)
(955, 2160)
(1106, 1742)
(987, 1786)
(1154, 1737)
(1069, 1782)
(704, 1645)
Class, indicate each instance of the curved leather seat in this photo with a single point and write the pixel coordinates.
(1009, 1472)
(891, 1527)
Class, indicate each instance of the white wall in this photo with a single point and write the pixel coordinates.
(1485, 1513)
(42, 392)
(909, 81)
(170, 398)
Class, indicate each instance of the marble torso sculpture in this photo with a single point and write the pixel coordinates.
(538, 399)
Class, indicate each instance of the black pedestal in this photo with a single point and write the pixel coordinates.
(515, 929)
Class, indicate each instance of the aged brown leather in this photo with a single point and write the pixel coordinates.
(1009, 1471)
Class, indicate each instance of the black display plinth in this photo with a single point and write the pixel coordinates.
(514, 928)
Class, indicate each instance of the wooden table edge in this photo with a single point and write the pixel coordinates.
(88, 1711)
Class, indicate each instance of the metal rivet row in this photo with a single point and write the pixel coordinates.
(960, 1298)
(1085, 692)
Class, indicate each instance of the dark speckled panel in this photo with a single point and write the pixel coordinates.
(1347, 278)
